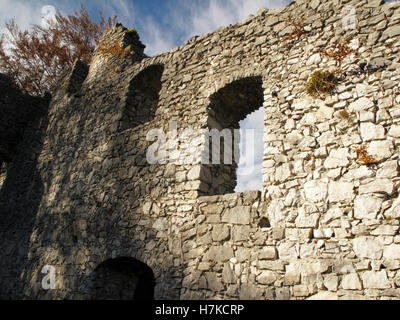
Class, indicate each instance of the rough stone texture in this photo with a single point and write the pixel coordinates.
(78, 194)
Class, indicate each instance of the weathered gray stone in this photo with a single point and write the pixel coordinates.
(237, 215)
(220, 233)
(249, 291)
(218, 253)
(241, 233)
(267, 277)
(213, 282)
(228, 276)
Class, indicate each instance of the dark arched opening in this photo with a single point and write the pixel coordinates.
(228, 106)
(122, 279)
(143, 96)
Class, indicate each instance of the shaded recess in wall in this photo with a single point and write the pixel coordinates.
(228, 106)
(143, 96)
(122, 278)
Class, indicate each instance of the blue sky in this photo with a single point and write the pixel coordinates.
(163, 24)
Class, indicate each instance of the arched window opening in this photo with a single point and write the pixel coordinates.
(122, 279)
(143, 96)
(228, 107)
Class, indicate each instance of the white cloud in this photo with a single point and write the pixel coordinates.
(185, 19)
(24, 13)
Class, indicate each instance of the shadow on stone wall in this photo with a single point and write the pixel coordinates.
(20, 197)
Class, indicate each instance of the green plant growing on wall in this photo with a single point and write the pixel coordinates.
(321, 82)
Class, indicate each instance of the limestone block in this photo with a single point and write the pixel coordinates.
(378, 186)
(292, 275)
(218, 253)
(380, 149)
(392, 252)
(228, 275)
(375, 280)
(351, 282)
(361, 104)
(370, 131)
(394, 131)
(367, 247)
(341, 191)
(283, 173)
(220, 232)
(249, 291)
(300, 291)
(394, 211)
(313, 268)
(237, 215)
(267, 253)
(337, 158)
(385, 230)
(367, 207)
(331, 282)
(305, 220)
(359, 173)
(267, 277)
(323, 233)
(213, 282)
(314, 59)
(388, 170)
(391, 32)
(240, 233)
(316, 190)
(288, 251)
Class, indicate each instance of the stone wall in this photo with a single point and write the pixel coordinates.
(324, 226)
